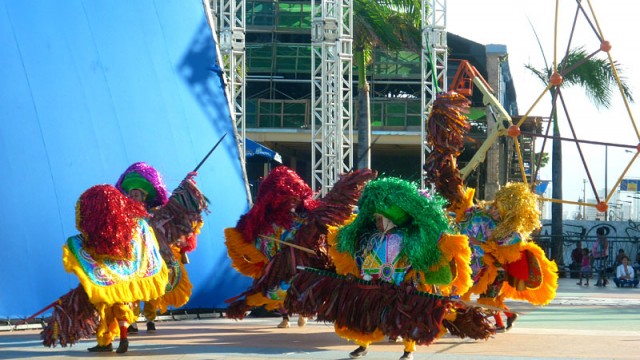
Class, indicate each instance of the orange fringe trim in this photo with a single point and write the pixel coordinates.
(455, 248)
(485, 280)
(544, 293)
(495, 302)
(256, 300)
(504, 254)
(344, 263)
(461, 208)
(245, 257)
(178, 296)
(358, 337)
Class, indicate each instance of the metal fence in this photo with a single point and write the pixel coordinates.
(622, 236)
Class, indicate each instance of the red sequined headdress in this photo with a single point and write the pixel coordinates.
(107, 219)
(280, 192)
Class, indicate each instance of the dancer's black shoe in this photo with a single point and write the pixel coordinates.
(101, 348)
(358, 353)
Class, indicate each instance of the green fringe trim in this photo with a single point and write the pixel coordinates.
(441, 276)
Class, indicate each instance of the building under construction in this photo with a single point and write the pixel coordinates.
(278, 100)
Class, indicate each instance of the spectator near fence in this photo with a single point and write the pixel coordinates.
(585, 267)
(576, 260)
(619, 257)
(636, 264)
(600, 254)
(625, 275)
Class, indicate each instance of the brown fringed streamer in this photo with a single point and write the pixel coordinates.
(442, 171)
(335, 208)
(447, 127)
(366, 306)
(182, 213)
(73, 318)
(237, 310)
(470, 322)
(282, 267)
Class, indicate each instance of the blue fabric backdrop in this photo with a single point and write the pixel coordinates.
(86, 89)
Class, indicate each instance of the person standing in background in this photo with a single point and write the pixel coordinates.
(600, 253)
(585, 268)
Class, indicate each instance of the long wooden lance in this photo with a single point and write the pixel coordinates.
(209, 153)
(184, 256)
(307, 250)
(36, 314)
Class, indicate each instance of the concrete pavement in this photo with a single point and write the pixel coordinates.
(581, 323)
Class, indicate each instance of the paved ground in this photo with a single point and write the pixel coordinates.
(581, 323)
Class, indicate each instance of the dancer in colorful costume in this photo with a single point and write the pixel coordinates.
(498, 231)
(390, 262)
(506, 262)
(285, 228)
(176, 220)
(117, 260)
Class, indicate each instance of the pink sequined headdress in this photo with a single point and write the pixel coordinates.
(145, 177)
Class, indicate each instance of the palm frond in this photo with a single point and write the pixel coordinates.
(386, 24)
(594, 75)
(535, 33)
(541, 74)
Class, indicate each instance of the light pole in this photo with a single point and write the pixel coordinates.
(579, 215)
(606, 156)
(636, 206)
(584, 198)
(628, 202)
(614, 211)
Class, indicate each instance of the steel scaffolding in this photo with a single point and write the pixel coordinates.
(331, 92)
(230, 17)
(434, 65)
(230, 54)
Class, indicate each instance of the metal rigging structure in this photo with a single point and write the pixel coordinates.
(434, 66)
(229, 17)
(228, 29)
(331, 92)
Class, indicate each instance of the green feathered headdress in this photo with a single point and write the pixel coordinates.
(134, 180)
(421, 219)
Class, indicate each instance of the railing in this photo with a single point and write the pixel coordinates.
(630, 245)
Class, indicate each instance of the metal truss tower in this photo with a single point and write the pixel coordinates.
(230, 17)
(434, 65)
(331, 92)
(230, 54)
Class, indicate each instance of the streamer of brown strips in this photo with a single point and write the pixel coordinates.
(447, 127)
(73, 318)
(365, 306)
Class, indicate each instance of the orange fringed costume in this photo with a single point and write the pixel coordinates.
(506, 263)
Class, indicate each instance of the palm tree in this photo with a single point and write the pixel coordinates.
(379, 24)
(597, 78)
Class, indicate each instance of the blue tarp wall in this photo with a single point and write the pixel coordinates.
(86, 89)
